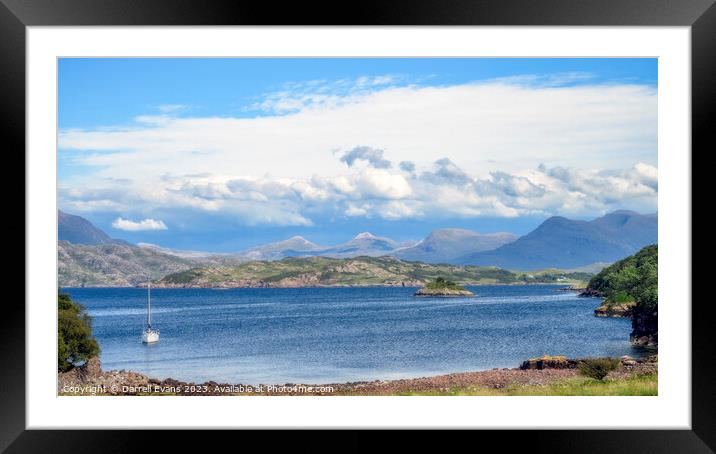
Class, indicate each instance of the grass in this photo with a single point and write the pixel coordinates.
(643, 385)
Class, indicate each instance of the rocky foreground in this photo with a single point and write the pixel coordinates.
(91, 380)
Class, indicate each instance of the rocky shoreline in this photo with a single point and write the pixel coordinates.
(618, 310)
(89, 379)
(443, 292)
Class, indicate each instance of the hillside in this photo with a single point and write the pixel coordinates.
(113, 265)
(563, 243)
(359, 271)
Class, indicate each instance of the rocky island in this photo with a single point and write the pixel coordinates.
(443, 288)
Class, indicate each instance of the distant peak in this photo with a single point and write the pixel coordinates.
(557, 220)
(623, 212)
(298, 238)
(364, 235)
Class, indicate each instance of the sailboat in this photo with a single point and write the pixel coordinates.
(149, 335)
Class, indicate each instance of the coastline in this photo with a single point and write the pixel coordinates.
(528, 379)
(416, 286)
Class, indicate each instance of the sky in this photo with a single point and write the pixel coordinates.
(223, 154)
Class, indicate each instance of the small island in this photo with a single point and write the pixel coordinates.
(443, 288)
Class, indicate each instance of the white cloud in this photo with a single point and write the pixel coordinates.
(485, 127)
(463, 150)
(442, 191)
(171, 108)
(135, 226)
(381, 184)
(315, 94)
(373, 156)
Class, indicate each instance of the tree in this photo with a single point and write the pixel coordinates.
(75, 342)
(635, 278)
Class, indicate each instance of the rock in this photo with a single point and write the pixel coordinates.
(443, 292)
(590, 293)
(645, 328)
(628, 361)
(91, 369)
(549, 362)
(615, 310)
(579, 290)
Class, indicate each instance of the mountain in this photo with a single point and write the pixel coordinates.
(444, 245)
(86, 256)
(363, 244)
(292, 247)
(563, 243)
(113, 264)
(79, 230)
(358, 271)
(181, 253)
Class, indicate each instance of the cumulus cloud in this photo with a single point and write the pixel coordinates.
(135, 226)
(407, 166)
(442, 190)
(446, 172)
(373, 156)
(461, 150)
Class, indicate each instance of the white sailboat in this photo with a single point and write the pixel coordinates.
(149, 335)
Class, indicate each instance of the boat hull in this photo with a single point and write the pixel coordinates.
(150, 336)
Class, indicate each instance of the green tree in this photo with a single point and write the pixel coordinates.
(634, 278)
(75, 342)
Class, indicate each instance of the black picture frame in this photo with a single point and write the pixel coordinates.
(700, 15)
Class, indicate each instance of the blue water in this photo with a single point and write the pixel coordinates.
(328, 335)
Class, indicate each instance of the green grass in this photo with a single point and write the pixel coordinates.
(644, 385)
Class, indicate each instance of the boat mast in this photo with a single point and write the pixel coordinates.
(149, 302)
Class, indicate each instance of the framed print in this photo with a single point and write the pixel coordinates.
(415, 217)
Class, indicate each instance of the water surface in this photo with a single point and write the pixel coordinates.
(327, 335)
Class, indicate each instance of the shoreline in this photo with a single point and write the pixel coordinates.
(532, 375)
(313, 286)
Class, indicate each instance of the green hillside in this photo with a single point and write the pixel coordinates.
(633, 281)
(112, 265)
(359, 271)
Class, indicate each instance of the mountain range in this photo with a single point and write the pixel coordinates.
(563, 243)
(364, 244)
(88, 256)
(444, 245)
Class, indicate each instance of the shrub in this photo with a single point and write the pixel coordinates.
(622, 297)
(75, 342)
(597, 368)
(442, 283)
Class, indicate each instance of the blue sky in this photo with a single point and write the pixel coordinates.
(222, 154)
